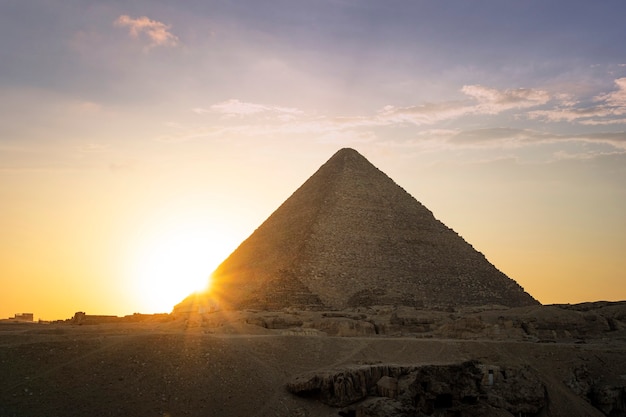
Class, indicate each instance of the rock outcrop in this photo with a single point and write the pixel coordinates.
(465, 389)
(351, 237)
(607, 395)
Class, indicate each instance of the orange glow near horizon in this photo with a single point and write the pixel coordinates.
(172, 264)
(142, 243)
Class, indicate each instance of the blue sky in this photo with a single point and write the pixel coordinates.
(506, 118)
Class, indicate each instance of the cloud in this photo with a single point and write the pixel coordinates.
(524, 143)
(499, 135)
(158, 33)
(183, 134)
(603, 122)
(615, 98)
(605, 109)
(493, 101)
(481, 101)
(423, 114)
(485, 100)
(236, 108)
(254, 120)
(584, 115)
(615, 139)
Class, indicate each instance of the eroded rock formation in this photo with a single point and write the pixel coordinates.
(465, 389)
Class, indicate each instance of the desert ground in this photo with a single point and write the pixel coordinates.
(570, 359)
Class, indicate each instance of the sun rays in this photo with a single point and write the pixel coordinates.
(170, 266)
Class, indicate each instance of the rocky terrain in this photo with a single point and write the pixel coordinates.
(561, 360)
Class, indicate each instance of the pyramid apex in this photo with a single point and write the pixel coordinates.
(346, 152)
(348, 157)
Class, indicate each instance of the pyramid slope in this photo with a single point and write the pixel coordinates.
(350, 236)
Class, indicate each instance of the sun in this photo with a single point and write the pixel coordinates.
(172, 264)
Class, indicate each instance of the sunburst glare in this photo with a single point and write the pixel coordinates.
(170, 266)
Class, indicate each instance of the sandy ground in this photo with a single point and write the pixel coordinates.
(164, 369)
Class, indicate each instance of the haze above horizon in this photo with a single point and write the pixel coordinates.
(141, 143)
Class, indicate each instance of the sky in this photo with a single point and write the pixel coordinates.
(141, 142)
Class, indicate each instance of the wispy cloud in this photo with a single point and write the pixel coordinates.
(157, 33)
(485, 100)
(423, 114)
(605, 109)
(422, 127)
(183, 134)
(481, 101)
(584, 145)
(603, 122)
(493, 101)
(236, 108)
(615, 98)
(497, 136)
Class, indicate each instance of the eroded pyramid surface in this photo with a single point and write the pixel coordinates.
(350, 236)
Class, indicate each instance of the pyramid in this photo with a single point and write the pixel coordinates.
(349, 237)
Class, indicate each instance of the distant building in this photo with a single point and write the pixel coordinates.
(19, 318)
(81, 318)
(23, 317)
